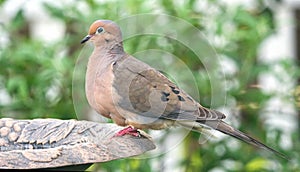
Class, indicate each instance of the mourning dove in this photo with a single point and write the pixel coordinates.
(131, 93)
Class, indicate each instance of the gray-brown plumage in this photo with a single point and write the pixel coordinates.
(130, 92)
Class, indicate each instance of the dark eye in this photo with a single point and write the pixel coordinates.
(100, 30)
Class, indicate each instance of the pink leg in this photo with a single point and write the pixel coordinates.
(128, 130)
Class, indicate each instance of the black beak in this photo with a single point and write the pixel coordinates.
(85, 39)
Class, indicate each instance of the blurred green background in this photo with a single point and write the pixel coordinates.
(36, 76)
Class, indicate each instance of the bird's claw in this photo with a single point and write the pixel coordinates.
(128, 130)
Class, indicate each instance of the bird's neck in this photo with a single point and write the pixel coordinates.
(105, 55)
(110, 49)
(116, 48)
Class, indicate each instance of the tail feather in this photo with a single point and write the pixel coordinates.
(227, 129)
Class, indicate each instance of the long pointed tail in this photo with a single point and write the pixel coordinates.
(227, 129)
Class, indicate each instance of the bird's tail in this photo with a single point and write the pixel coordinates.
(227, 129)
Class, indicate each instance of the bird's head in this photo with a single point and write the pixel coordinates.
(103, 33)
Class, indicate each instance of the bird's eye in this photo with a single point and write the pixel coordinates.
(99, 30)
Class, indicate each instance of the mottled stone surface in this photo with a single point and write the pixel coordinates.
(49, 143)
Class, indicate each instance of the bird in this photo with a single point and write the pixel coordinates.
(133, 94)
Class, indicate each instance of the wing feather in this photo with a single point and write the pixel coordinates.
(149, 93)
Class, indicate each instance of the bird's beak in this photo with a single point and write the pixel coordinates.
(86, 39)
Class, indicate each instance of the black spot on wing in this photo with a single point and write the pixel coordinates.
(174, 90)
(164, 99)
(180, 98)
(164, 96)
(172, 87)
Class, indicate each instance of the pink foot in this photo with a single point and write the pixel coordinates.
(128, 130)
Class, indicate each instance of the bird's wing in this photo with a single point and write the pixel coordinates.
(145, 91)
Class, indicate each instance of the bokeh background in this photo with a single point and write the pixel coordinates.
(257, 43)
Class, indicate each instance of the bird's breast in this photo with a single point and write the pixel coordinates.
(99, 78)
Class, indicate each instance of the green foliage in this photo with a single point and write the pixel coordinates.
(38, 77)
(258, 164)
(34, 76)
